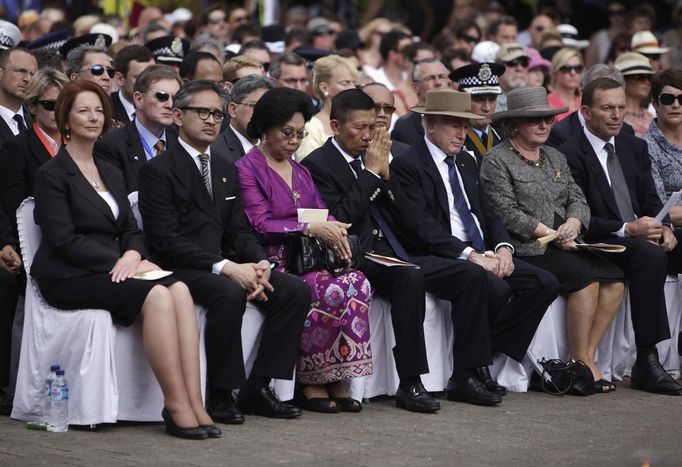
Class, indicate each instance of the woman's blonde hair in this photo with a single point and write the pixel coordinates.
(564, 55)
(324, 69)
(42, 80)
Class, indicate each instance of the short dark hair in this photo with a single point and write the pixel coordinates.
(502, 21)
(390, 42)
(138, 53)
(275, 108)
(183, 98)
(207, 12)
(68, 95)
(411, 51)
(152, 74)
(297, 33)
(289, 58)
(670, 77)
(599, 84)
(244, 30)
(188, 67)
(347, 101)
(454, 53)
(5, 54)
(253, 44)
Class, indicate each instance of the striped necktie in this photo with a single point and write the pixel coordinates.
(205, 174)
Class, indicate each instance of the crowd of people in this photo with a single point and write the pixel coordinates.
(487, 155)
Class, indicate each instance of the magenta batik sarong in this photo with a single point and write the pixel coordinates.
(335, 340)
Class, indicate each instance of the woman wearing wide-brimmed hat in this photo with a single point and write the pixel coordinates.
(530, 187)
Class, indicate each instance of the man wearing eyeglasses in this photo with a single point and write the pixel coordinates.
(385, 106)
(214, 23)
(427, 75)
(514, 58)
(17, 66)
(234, 142)
(151, 131)
(91, 63)
(194, 222)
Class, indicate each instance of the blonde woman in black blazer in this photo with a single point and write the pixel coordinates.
(92, 247)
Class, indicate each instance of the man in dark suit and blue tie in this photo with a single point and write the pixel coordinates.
(614, 171)
(455, 222)
(352, 173)
(151, 131)
(194, 222)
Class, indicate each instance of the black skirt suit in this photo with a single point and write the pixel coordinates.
(82, 241)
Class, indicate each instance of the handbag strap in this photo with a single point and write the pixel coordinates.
(558, 367)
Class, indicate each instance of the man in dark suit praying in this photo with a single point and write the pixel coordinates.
(194, 222)
(614, 171)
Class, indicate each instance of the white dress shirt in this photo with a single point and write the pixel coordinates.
(246, 144)
(598, 146)
(8, 116)
(128, 106)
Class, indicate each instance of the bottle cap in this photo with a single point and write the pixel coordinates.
(54, 368)
(60, 372)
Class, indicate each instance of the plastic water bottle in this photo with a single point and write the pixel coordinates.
(48, 391)
(59, 404)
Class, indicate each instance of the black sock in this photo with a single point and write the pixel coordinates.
(256, 382)
(407, 382)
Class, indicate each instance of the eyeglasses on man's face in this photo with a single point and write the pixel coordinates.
(98, 70)
(203, 113)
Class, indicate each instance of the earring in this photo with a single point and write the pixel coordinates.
(67, 133)
(326, 94)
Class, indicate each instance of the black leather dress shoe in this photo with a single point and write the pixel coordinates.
(224, 409)
(263, 401)
(5, 403)
(416, 399)
(179, 432)
(483, 375)
(471, 391)
(649, 375)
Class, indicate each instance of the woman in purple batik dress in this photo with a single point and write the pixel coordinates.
(335, 341)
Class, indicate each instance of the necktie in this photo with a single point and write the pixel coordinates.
(398, 249)
(484, 138)
(203, 158)
(462, 209)
(618, 184)
(159, 147)
(20, 122)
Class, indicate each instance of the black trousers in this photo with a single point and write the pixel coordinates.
(517, 304)
(462, 283)
(645, 267)
(225, 302)
(11, 285)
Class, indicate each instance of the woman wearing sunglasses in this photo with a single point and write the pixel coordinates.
(22, 155)
(567, 71)
(529, 185)
(664, 137)
(637, 71)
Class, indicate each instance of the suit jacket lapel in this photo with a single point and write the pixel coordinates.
(83, 186)
(135, 150)
(597, 174)
(338, 163)
(432, 171)
(38, 151)
(220, 183)
(110, 179)
(233, 142)
(187, 173)
(5, 132)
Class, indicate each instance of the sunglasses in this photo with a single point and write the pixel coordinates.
(535, 121)
(49, 105)
(98, 70)
(216, 21)
(668, 99)
(616, 12)
(162, 96)
(638, 77)
(388, 109)
(521, 61)
(239, 19)
(469, 39)
(569, 68)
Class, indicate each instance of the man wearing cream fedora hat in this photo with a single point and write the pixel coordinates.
(455, 222)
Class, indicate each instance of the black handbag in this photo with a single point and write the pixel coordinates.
(572, 377)
(306, 254)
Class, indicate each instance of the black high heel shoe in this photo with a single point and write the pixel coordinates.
(212, 431)
(187, 433)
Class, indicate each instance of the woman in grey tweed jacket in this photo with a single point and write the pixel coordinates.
(529, 185)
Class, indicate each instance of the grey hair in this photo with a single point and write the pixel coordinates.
(248, 84)
(417, 67)
(602, 71)
(290, 58)
(200, 42)
(183, 98)
(77, 57)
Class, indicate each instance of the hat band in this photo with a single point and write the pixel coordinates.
(647, 44)
(637, 68)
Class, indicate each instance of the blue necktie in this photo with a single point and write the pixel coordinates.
(400, 252)
(462, 208)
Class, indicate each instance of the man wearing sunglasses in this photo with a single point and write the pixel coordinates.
(91, 63)
(514, 58)
(385, 106)
(614, 172)
(151, 131)
(194, 220)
